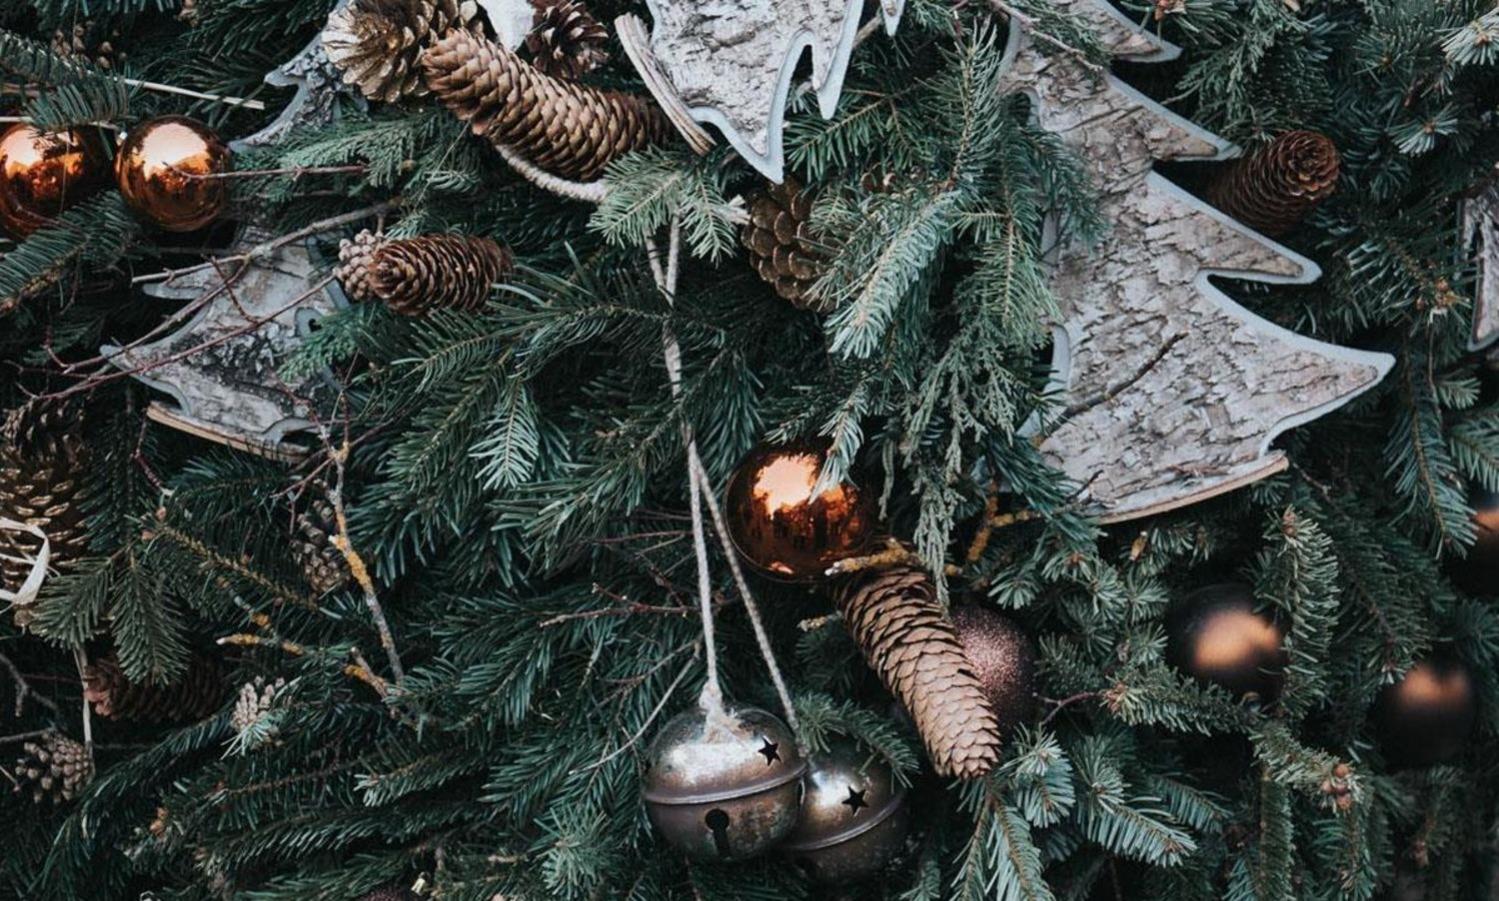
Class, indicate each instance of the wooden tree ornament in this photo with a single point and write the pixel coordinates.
(1171, 392)
(1481, 229)
(730, 64)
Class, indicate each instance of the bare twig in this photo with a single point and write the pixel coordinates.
(655, 712)
(23, 736)
(80, 657)
(357, 567)
(24, 690)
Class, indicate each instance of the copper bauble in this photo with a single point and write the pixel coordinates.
(1003, 658)
(1218, 637)
(780, 526)
(1424, 719)
(853, 818)
(161, 170)
(1478, 572)
(43, 174)
(723, 788)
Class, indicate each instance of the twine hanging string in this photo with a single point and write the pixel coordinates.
(26, 593)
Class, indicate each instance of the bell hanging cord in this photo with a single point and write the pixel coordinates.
(31, 586)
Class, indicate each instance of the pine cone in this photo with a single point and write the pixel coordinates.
(910, 643)
(324, 566)
(415, 275)
(86, 41)
(781, 244)
(53, 768)
(43, 458)
(569, 130)
(566, 41)
(194, 695)
(1274, 188)
(255, 701)
(378, 44)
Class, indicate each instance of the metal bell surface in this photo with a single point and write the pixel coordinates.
(853, 818)
(724, 789)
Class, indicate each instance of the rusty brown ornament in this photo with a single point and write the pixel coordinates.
(784, 529)
(168, 168)
(723, 788)
(853, 818)
(1425, 718)
(42, 174)
(1218, 637)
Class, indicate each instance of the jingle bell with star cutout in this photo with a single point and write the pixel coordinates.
(42, 174)
(723, 788)
(853, 818)
(170, 169)
(782, 526)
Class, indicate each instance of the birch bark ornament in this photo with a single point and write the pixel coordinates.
(319, 87)
(1171, 392)
(221, 369)
(730, 65)
(1481, 230)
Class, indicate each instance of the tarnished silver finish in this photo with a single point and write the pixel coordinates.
(853, 818)
(724, 789)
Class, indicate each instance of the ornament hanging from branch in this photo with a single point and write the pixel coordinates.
(1171, 392)
(730, 65)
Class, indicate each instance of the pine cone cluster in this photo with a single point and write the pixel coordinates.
(378, 44)
(43, 460)
(568, 130)
(87, 42)
(53, 768)
(323, 565)
(781, 245)
(566, 41)
(194, 695)
(1277, 186)
(908, 640)
(413, 276)
(255, 701)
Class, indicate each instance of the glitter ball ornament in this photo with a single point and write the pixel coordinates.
(853, 818)
(1425, 718)
(1003, 658)
(784, 528)
(1478, 572)
(165, 170)
(43, 174)
(1219, 637)
(724, 788)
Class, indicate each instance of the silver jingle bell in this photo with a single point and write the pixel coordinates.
(853, 818)
(724, 788)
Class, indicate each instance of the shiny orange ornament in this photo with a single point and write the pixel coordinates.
(165, 170)
(780, 526)
(43, 174)
(1219, 637)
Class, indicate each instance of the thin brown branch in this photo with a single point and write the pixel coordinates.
(24, 689)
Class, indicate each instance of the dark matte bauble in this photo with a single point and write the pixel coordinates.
(43, 174)
(853, 818)
(165, 171)
(724, 789)
(1426, 717)
(1478, 572)
(780, 526)
(1218, 637)
(1004, 659)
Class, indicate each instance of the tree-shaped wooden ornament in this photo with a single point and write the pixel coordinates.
(1171, 392)
(730, 64)
(1481, 229)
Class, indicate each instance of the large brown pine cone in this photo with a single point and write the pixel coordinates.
(566, 41)
(415, 275)
(194, 695)
(781, 244)
(568, 130)
(53, 768)
(43, 460)
(378, 44)
(909, 641)
(1274, 188)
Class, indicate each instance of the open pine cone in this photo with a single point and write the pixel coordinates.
(566, 41)
(416, 275)
(194, 695)
(323, 565)
(378, 44)
(43, 459)
(53, 768)
(781, 245)
(1277, 186)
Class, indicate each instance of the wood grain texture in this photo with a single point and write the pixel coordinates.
(1481, 226)
(1171, 392)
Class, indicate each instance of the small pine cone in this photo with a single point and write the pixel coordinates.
(908, 640)
(86, 41)
(1274, 188)
(415, 275)
(43, 459)
(566, 41)
(569, 130)
(255, 700)
(189, 12)
(378, 44)
(324, 566)
(53, 768)
(194, 695)
(781, 245)
(354, 258)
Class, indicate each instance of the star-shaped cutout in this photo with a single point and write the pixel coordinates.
(771, 750)
(855, 800)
